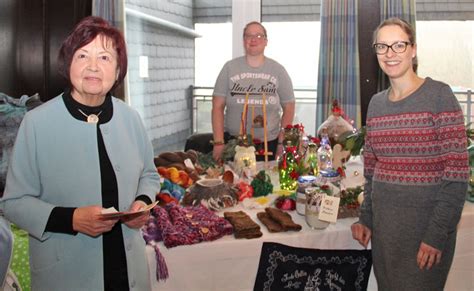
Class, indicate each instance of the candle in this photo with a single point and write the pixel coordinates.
(244, 113)
(253, 117)
(265, 144)
(243, 122)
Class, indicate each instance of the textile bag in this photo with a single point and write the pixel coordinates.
(283, 267)
(12, 111)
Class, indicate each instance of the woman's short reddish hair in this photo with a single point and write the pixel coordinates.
(86, 31)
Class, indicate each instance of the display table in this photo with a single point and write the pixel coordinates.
(231, 264)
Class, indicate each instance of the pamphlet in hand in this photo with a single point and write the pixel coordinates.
(111, 213)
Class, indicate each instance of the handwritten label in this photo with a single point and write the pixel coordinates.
(329, 208)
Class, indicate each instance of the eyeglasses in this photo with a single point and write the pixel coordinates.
(254, 36)
(397, 47)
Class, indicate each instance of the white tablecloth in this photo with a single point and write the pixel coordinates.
(231, 264)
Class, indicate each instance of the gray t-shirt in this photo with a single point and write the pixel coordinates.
(237, 78)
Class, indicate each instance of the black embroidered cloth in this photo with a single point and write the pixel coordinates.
(283, 267)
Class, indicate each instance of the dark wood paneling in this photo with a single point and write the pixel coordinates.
(62, 16)
(8, 34)
(31, 33)
(369, 19)
(30, 48)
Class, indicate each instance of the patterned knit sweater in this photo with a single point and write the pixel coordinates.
(419, 141)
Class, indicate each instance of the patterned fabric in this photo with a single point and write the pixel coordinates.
(338, 76)
(283, 267)
(176, 225)
(20, 264)
(12, 111)
(416, 168)
(404, 9)
(422, 147)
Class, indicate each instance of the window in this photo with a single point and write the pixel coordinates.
(295, 45)
(444, 55)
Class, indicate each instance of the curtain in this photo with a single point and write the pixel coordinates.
(113, 12)
(403, 9)
(338, 72)
(110, 10)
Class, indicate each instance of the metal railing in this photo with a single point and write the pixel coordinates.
(305, 108)
(465, 100)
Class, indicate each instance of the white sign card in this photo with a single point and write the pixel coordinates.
(329, 208)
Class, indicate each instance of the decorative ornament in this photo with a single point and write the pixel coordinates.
(91, 118)
(245, 160)
(262, 185)
(336, 124)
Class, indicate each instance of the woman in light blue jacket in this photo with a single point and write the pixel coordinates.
(75, 155)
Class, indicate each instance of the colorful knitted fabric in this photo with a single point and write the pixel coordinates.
(177, 225)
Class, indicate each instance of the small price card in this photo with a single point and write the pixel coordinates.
(329, 208)
(189, 164)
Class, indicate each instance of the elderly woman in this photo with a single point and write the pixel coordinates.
(75, 155)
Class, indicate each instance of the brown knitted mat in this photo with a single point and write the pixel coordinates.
(271, 224)
(282, 218)
(244, 226)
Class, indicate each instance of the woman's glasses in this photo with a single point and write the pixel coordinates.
(397, 47)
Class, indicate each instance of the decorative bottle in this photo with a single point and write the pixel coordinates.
(311, 159)
(287, 168)
(325, 153)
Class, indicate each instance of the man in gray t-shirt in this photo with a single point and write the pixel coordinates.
(251, 79)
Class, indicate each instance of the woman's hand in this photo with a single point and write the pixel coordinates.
(88, 220)
(137, 220)
(427, 256)
(361, 233)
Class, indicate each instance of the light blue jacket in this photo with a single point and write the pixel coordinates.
(55, 162)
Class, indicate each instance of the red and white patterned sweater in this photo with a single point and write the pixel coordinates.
(415, 155)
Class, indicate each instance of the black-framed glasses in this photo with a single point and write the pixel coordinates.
(397, 47)
(259, 36)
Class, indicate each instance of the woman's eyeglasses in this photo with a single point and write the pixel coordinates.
(397, 47)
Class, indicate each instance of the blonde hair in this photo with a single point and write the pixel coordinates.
(405, 26)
